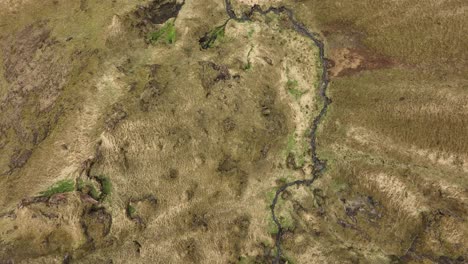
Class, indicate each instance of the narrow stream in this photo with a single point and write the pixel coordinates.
(318, 165)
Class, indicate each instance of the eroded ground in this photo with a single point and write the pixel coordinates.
(159, 131)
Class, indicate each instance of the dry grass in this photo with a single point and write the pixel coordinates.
(411, 107)
(203, 149)
(396, 129)
(426, 32)
(209, 148)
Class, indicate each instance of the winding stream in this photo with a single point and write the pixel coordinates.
(318, 164)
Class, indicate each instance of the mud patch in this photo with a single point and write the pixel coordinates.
(142, 210)
(41, 226)
(211, 73)
(145, 18)
(116, 115)
(153, 89)
(274, 119)
(21, 48)
(96, 224)
(365, 206)
(19, 158)
(36, 73)
(348, 61)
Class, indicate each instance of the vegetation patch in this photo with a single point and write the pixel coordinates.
(209, 39)
(167, 33)
(287, 222)
(250, 33)
(288, 259)
(248, 65)
(131, 211)
(106, 185)
(245, 260)
(291, 144)
(291, 86)
(339, 185)
(296, 153)
(285, 218)
(63, 186)
(272, 228)
(89, 188)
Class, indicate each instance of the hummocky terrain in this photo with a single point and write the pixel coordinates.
(233, 131)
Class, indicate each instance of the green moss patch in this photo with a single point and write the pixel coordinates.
(106, 185)
(131, 210)
(63, 186)
(248, 65)
(167, 32)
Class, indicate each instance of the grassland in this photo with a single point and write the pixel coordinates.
(397, 126)
(425, 34)
(193, 135)
(184, 136)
